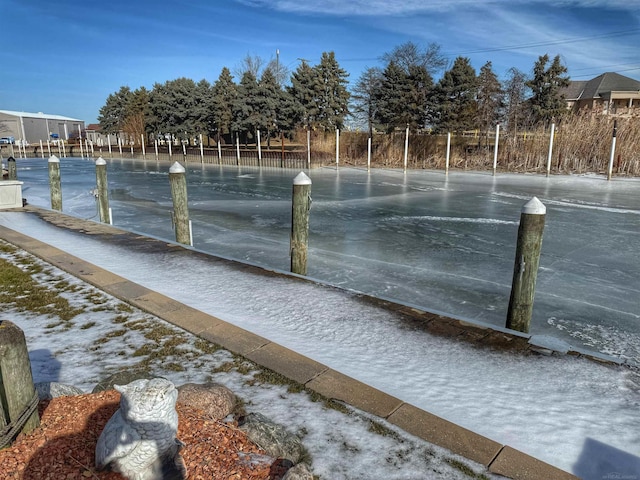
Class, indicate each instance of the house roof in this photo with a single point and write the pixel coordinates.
(94, 127)
(39, 115)
(601, 86)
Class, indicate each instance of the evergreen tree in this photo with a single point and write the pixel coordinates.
(303, 92)
(420, 87)
(174, 107)
(547, 103)
(247, 108)
(455, 97)
(224, 92)
(364, 97)
(391, 99)
(205, 108)
(269, 100)
(490, 99)
(114, 112)
(136, 116)
(331, 94)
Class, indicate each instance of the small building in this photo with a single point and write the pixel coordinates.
(33, 127)
(607, 94)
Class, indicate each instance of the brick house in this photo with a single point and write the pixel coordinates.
(606, 94)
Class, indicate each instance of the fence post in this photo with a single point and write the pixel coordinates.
(54, 183)
(120, 146)
(178, 181)
(11, 168)
(259, 151)
(219, 151)
(406, 148)
(525, 268)
(368, 154)
(553, 131)
(300, 223)
(309, 149)
(337, 147)
(237, 149)
(155, 146)
(41, 150)
(495, 150)
(109, 142)
(142, 142)
(103, 191)
(170, 150)
(16, 386)
(201, 150)
(446, 162)
(613, 150)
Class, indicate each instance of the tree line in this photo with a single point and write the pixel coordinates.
(402, 94)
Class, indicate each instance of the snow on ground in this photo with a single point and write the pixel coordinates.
(109, 336)
(571, 412)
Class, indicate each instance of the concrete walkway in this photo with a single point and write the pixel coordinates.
(499, 459)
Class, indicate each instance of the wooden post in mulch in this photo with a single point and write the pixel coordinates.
(54, 183)
(18, 397)
(525, 269)
(300, 223)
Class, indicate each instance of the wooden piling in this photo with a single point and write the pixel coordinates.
(178, 181)
(103, 190)
(11, 168)
(525, 269)
(18, 397)
(300, 223)
(54, 183)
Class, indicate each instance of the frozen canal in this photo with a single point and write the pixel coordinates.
(445, 244)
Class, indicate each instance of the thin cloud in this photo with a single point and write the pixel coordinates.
(411, 7)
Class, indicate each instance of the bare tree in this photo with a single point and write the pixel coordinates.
(410, 54)
(252, 64)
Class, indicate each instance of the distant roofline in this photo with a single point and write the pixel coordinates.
(39, 115)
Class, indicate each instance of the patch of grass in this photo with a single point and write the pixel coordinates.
(88, 325)
(136, 324)
(158, 332)
(124, 308)
(120, 319)
(7, 247)
(465, 469)
(14, 282)
(206, 347)
(380, 429)
(174, 367)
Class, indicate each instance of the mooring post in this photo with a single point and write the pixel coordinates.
(495, 150)
(19, 405)
(553, 132)
(54, 183)
(368, 154)
(103, 191)
(337, 147)
(300, 223)
(406, 149)
(525, 270)
(613, 150)
(11, 167)
(446, 162)
(178, 181)
(308, 148)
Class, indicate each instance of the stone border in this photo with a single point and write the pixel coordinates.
(499, 459)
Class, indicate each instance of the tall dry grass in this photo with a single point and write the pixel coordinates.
(582, 144)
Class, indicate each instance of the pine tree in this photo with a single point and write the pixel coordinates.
(331, 94)
(224, 92)
(114, 112)
(392, 98)
(247, 108)
(490, 99)
(547, 103)
(303, 92)
(174, 108)
(455, 98)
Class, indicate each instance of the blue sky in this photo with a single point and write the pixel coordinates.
(66, 57)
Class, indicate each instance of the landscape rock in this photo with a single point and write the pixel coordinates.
(123, 377)
(273, 438)
(49, 390)
(215, 400)
(298, 472)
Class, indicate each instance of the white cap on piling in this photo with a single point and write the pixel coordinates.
(54, 159)
(302, 179)
(101, 161)
(176, 168)
(534, 207)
